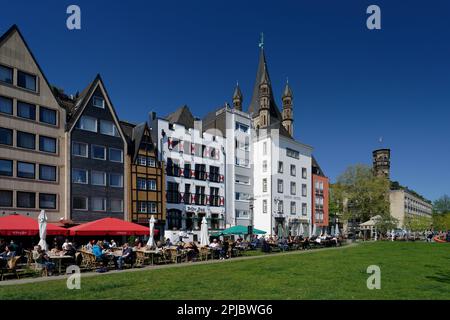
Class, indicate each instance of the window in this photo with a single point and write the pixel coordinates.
(151, 184)
(80, 203)
(264, 168)
(6, 74)
(80, 149)
(98, 152)
(280, 166)
(98, 102)
(280, 206)
(304, 209)
(47, 115)
(242, 179)
(293, 207)
(6, 105)
(264, 185)
(109, 128)
(292, 153)
(6, 198)
(79, 176)
(304, 190)
(264, 206)
(151, 162)
(242, 162)
(304, 173)
(47, 173)
(6, 167)
(98, 178)
(6, 136)
(280, 186)
(242, 196)
(115, 155)
(265, 148)
(26, 140)
(26, 80)
(26, 110)
(47, 201)
(293, 170)
(151, 207)
(116, 205)
(116, 180)
(241, 127)
(26, 199)
(98, 204)
(26, 170)
(87, 123)
(142, 161)
(293, 188)
(142, 207)
(242, 213)
(47, 144)
(141, 184)
(321, 186)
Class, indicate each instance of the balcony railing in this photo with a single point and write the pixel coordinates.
(174, 171)
(195, 198)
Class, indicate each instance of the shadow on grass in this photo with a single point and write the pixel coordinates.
(440, 277)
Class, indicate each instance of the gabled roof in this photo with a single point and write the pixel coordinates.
(14, 28)
(182, 116)
(316, 168)
(237, 93)
(134, 135)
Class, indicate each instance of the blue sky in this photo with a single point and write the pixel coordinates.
(351, 85)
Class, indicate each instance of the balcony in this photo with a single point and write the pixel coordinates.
(195, 198)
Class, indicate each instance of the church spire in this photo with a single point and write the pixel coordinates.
(287, 114)
(237, 98)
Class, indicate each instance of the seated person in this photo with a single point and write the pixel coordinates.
(214, 244)
(5, 256)
(101, 256)
(113, 244)
(192, 252)
(126, 257)
(223, 253)
(41, 257)
(65, 245)
(168, 243)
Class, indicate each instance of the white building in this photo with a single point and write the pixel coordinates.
(404, 204)
(195, 179)
(281, 165)
(236, 127)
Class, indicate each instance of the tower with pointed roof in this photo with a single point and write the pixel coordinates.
(287, 115)
(237, 98)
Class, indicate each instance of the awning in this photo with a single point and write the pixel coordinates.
(18, 225)
(109, 227)
(237, 230)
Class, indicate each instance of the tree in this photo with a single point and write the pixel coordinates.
(363, 194)
(386, 224)
(417, 223)
(442, 205)
(441, 222)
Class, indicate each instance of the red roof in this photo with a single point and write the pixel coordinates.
(109, 227)
(18, 225)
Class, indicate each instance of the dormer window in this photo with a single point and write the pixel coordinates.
(98, 102)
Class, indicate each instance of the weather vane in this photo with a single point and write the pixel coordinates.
(261, 42)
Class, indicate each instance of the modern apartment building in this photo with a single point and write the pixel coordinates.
(281, 165)
(320, 196)
(33, 157)
(195, 177)
(146, 177)
(236, 127)
(97, 147)
(404, 204)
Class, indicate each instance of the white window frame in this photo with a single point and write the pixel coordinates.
(115, 174)
(151, 162)
(304, 190)
(264, 185)
(293, 184)
(92, 152)
(149, 185)
(94, 98)
(264, 206)
(104, 176)
(294, 206)
(104, 204)
(79, 126)
(140, 162)
(86, 202)
(86, 175)
(121, 205)
(86, 148)
(142, 205)
(115, 130)
(264, 166)
(121, 155)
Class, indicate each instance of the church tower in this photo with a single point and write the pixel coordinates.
(382, 162)
(264, 100)
(237, 98)
(287, 115)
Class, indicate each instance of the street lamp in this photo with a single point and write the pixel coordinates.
(250, 227)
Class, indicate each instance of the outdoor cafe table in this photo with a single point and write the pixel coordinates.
(151, 253)
(58, 260)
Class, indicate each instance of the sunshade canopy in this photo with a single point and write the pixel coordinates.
(18, 225)
(236, 230)
(109, 227)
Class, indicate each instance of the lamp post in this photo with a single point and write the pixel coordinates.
(251, 224)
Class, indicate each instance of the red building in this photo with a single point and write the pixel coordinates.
(320, 196)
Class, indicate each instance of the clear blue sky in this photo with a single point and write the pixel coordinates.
(350, 85)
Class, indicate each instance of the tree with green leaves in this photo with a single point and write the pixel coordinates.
(441, 222)
(417, 223)
(442, 205)
(362, 194)
(386, 224)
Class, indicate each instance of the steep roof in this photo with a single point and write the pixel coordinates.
(317, 170)
(134, 135)
(182, 116)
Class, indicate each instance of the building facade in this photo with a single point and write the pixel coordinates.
(320, 197)
(404, 205)
(195, 178)
(236, 127)
(145, 176)
(97, 147)
(281, 165)
(33, 157)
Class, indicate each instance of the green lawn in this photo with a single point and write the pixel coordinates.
(408, 271)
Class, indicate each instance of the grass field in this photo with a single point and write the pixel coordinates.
(408, 271)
